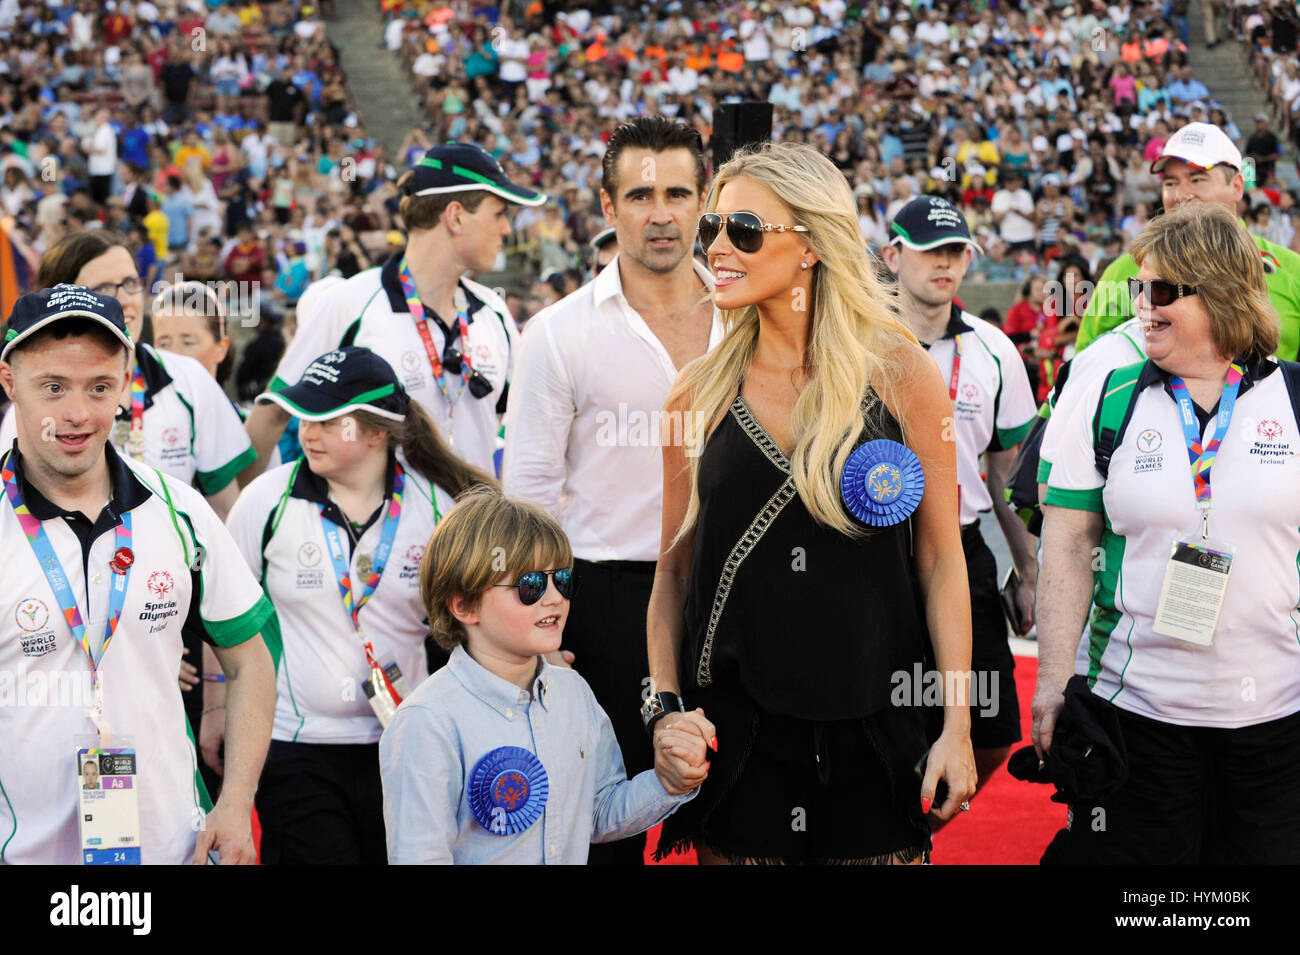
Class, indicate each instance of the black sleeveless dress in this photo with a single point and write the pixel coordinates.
(793, 633)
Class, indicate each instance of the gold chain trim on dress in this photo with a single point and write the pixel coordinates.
(748, 541)
(760, 437)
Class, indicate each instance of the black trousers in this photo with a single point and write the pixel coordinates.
(1194, 795)
(322, 804)
(606, 633)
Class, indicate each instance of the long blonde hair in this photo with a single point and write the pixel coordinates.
(853, 332)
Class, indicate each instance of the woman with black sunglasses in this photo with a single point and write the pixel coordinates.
(1172, 510)
(786, 598)
(336, 539)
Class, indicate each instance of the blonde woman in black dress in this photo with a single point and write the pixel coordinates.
(780, 608)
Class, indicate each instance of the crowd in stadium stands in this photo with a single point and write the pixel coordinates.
(223, 136)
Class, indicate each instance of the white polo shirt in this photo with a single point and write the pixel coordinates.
(994, 406)
(277, 525)
(1251, 672)
(369, 310)
(1122, 345)
(582, 428)
(191, 430)
(45, 678)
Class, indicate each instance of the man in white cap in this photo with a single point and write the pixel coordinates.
(1200, 162)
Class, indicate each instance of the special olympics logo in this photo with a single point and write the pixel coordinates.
(31, 615)
(970, 392)
(1269, 430)
(332, 358)
(170, 436)
(510, 790)
(160, 583)
(414, 553)
(482, 353)
(884, 483)
(410, 361)
(1149, 441)
(309, 555)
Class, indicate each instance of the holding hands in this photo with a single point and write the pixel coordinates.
(682, 742)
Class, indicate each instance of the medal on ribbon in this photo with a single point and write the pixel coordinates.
(365, 564)
(882, 483)
(507, 790)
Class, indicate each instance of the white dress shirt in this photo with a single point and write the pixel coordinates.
(582, 425)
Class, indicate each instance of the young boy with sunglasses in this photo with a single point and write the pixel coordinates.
(501, 757)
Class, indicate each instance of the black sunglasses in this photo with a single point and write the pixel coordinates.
(454, 362)
(744, 230)
(532, 585)
(1159, 292)
(132, 286)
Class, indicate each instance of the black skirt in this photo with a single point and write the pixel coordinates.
(783, 790)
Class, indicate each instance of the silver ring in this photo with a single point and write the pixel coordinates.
(965, 807)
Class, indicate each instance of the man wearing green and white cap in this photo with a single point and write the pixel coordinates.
(1200, 162)
(449, 339)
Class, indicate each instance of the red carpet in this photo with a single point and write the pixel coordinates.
(1010, 822)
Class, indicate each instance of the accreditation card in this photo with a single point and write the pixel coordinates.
(108, 800)
(1191, 595)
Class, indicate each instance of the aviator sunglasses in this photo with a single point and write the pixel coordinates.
(744, 230)
(1159, 292)
(532, 585)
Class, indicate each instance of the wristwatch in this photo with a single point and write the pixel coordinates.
(657, 706)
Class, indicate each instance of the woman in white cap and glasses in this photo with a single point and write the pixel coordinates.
(336, 539)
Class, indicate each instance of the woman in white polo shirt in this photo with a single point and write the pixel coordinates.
(1173, 505)
(336, 539)
(172, 415)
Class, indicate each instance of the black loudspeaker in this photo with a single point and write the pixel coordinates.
(739, 124)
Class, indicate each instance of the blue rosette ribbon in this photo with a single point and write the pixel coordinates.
(882, 483)
(507, 790)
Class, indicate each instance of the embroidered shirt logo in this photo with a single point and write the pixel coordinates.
(31, 615)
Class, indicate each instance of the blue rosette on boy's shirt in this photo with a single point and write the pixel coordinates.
(882, 483)
(507, 790)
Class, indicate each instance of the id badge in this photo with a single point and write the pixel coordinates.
(1191, 595)
(108, 800)
(381, 701)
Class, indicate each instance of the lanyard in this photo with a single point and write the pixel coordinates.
(129, 438)
(352, 604)
(956, 369)
(422, 323)
(58, 580)
(1202, 458)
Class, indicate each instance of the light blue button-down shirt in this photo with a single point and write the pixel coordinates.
(462, 713)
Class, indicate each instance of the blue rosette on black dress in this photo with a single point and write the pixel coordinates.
(882, 483)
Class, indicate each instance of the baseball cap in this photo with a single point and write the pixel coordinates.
(465, 167)
(928, 222)
(343, 380)
(37, 310)
(1202, 145)
(603, 238)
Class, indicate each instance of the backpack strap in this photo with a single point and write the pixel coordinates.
(1118, 398)
(1291, 375)
(273, 520)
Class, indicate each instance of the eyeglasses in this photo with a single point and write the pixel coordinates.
(454, 362)
(1159, 292)
(744, 230)
(532, 585)
(132, 286)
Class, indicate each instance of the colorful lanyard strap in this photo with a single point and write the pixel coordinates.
(956, 369)
(58, 580)
(416, 308)
(338, 556)
(1202, 457)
